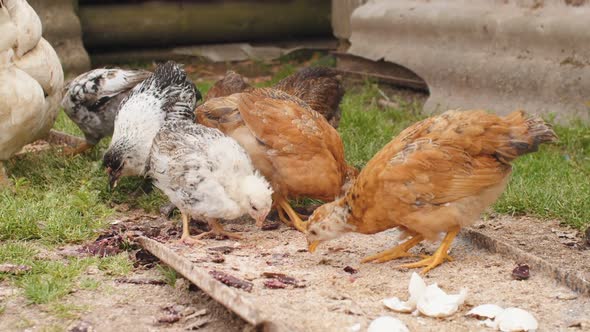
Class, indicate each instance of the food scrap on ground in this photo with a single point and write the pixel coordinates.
(521, 272)
(231, 280)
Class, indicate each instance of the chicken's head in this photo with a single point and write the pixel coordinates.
(121, 160)
(327, 222)
(257, 197)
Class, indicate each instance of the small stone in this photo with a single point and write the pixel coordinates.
(80, 326)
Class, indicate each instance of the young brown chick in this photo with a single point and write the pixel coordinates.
(293, 146)
(231, 83)
(434, 177)
(320, 87)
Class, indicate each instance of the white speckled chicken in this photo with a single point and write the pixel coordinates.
(204, 173)
(31, 80)
(92, 101)
(140, 117)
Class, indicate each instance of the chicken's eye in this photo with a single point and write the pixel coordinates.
(253, 208)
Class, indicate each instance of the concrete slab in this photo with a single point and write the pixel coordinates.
(497, 55)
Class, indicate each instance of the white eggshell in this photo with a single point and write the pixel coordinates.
(416, 288)
(436, 303)
(398, 305)
(355, 328)
(515, 319)
(387, 324)
(485, 311)
(42, 63)
(27, 23)
(8, 29)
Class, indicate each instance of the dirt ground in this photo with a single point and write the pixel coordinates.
(331, 299)
(335, 300)
(121, 304)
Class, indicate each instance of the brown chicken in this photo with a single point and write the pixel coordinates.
(292, 145)
(434, 177)
(320, 87)
(231, 83)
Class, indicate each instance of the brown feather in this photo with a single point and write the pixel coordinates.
(441, 172)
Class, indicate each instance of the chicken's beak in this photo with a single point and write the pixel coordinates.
(312, 246)
(113, 180)
(261, 218)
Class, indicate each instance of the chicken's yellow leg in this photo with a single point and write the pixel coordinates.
(440, 255)
(217, 229)
(396, 252)
(293, 216)
(72, 151)
(186, 237)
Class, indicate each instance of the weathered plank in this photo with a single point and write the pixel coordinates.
(234, 300)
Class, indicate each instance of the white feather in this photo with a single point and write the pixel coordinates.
(27, 23)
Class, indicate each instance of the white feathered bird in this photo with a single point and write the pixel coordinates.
(92, 101)
(203, 172)
(31, 80)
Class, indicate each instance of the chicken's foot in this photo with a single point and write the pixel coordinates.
(439, 256)
(299, 224)
(396, 252)
(216, 230)
(186, 237)
(73, 151)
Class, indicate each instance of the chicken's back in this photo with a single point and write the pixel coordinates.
(197, 167)
(92, 99)
(443, 171)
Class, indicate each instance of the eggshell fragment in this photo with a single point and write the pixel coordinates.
(355, 328)
(490, 311)
(398, 305)
(387, 324)
(436, 303)
(416, 288)
(515, 319)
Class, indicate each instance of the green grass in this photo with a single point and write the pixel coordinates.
(50, 280)
(553, 182)
(365, 127)
(168, 273)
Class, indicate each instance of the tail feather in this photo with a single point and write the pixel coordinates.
(526, 134)
(170, 83)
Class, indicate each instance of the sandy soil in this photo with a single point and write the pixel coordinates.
(334, 300)
(117, 305)
(331, 299)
